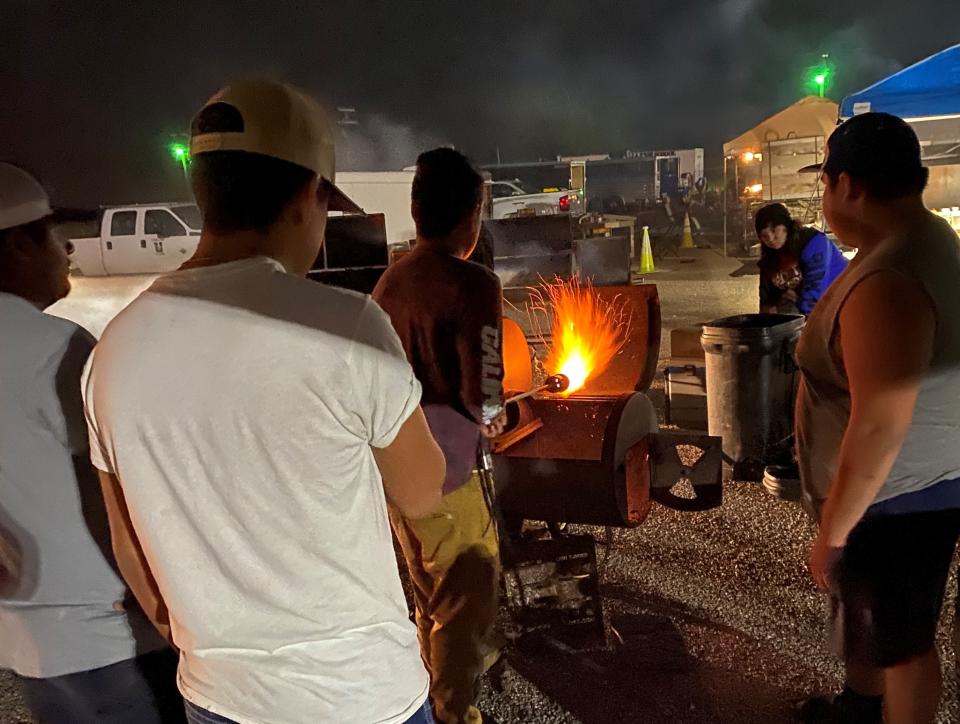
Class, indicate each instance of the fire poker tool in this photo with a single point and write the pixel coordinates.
(554, 384)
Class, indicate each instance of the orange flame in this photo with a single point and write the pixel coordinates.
(587, 332)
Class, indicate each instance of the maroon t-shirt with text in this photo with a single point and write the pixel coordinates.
(447, 313)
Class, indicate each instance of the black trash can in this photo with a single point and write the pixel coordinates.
(751, 388)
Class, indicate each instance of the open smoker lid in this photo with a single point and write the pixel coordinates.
(632, 369)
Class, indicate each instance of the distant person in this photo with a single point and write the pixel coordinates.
(81, 654)
(797, 263)
(250, 425)
(878, 423)
(448, 311)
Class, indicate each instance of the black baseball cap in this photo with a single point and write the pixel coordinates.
(870, 146)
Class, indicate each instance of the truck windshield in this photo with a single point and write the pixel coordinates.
(189, 214)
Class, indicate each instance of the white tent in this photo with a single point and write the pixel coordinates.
(807, 118)
(764, 161)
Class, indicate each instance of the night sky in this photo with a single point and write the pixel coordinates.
(92, 91)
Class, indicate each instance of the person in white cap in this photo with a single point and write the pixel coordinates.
(250, 425)
(81, 653)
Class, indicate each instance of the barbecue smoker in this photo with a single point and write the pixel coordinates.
(594, 457)
(598, 456)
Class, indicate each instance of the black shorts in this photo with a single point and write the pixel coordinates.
(891, 579)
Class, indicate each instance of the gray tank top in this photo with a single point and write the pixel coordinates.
(929, 254)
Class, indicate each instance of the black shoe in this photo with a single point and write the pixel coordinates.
(789, 471)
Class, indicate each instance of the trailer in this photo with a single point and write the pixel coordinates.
(636, 180)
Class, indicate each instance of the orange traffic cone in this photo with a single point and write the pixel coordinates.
(646, 253)
(686, 242)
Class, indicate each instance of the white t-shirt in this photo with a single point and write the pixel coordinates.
(237, 404)
(58, 612)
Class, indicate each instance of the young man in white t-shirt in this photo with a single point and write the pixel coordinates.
(250, 426)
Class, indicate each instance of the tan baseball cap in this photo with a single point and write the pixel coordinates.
(272, 119)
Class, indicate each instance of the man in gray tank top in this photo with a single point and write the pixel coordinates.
(878, 423)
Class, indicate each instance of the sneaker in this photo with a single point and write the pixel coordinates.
(790, 471)
(783, 481)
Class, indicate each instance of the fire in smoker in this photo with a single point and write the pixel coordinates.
(586, 332)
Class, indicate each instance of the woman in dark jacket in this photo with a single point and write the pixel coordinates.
(797, 263)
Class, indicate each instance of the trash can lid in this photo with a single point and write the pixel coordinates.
(746, 327)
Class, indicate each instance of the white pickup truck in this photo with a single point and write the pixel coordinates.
(512, 198)
(143, 239)
(158, 238)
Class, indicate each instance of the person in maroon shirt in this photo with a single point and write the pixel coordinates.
(447, 313)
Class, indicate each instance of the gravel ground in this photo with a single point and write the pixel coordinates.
(713, 615)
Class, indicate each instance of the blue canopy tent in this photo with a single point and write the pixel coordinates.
(927, 95)
(928, 89)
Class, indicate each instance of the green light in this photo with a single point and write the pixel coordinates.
(181, 154)
(819, 75)
(820, 80)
